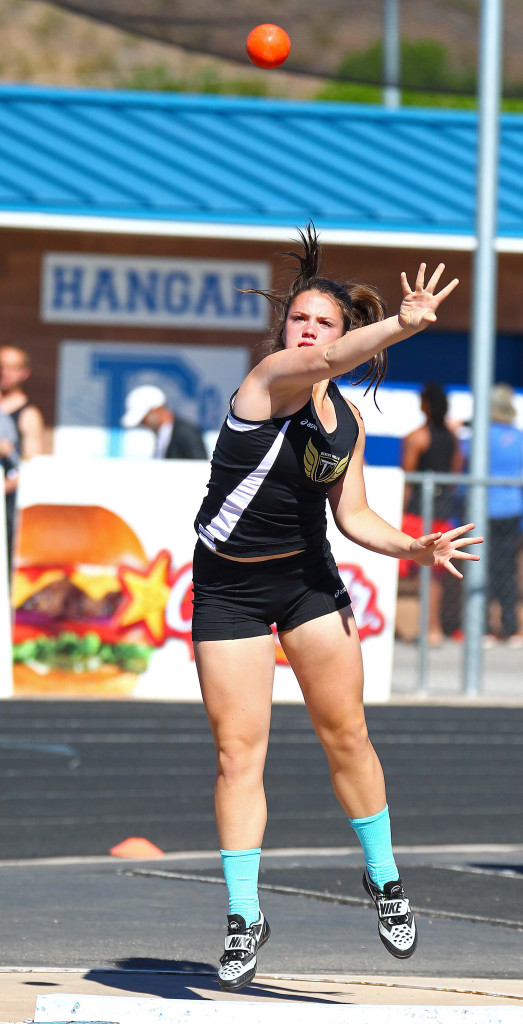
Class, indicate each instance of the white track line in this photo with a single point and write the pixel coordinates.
(465, 849)
(501, 873)
(134, 1010)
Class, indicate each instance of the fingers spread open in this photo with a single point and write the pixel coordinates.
(405, 284)
(435, 277)
(429, 539)
(452, 569)
(447, 289)
(468, 540)
(465, 554)
(420, 279)
(459, 530)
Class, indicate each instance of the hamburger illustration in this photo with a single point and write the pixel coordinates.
(73, 635)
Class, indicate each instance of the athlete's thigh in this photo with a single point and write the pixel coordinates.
(236, 680)
(325, 656)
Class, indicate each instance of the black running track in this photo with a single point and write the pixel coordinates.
(79, 777)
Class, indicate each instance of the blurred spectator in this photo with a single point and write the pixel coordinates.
(21, 426)
(145, 406)
(432, 447)
(505, 508)
(15, 370)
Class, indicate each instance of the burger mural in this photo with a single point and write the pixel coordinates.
(94, 616)
(102, 581)
(89, 607)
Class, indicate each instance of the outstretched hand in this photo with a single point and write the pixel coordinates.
(418, 307)
(440, 548)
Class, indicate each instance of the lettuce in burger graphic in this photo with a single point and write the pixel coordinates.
(89, 606)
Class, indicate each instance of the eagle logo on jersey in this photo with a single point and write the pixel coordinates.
(321, 467)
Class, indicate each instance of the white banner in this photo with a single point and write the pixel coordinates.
(102, 586)
(6, 675)
(153, 292)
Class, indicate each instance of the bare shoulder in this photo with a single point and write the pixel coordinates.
(418, 439)
(31, 417)
(253, 399)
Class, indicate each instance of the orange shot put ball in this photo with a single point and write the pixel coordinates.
(268, 46)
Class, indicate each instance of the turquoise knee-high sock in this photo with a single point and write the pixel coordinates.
(240, 868)
(374, 836)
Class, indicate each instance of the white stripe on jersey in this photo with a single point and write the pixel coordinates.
(224, 522)
(240, 426)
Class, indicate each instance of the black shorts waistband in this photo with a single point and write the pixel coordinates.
(229, 568)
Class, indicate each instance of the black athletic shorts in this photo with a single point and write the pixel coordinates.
(235, 600)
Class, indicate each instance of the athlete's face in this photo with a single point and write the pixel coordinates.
(313, 319)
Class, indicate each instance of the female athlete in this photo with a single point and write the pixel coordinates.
(291, 441)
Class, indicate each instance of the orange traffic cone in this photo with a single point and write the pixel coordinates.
(138, 847)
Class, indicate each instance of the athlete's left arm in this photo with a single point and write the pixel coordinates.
(358, 522)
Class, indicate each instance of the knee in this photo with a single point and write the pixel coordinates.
(239, 760)
(345, 741)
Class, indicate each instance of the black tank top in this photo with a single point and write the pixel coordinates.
(269, 480)
(437, 458)
(15, 417)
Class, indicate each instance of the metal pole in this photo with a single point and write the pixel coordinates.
(483, 323)
(427, 514)
(391, 54)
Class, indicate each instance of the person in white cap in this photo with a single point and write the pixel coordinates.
(146, 406)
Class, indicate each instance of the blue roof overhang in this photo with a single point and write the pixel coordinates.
(249, 168)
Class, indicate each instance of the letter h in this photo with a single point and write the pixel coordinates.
(67, 292)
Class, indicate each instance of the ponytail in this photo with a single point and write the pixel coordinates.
(358, 304)
(368, 308)
(309, 260)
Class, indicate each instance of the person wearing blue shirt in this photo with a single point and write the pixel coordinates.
(505, 509)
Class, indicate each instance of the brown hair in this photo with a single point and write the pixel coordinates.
(358, 304)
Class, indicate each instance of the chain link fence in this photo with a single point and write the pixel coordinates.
(432, 610)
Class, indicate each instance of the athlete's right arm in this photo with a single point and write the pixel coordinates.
(291, 371)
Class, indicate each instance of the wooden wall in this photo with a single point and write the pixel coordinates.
(20, 272)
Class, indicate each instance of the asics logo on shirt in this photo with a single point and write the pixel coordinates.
(305, 423)
(322, 466)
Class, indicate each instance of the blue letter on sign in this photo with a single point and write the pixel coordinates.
(247, 306)
(211, 295)
(176, 292)
(67, 291)
(104, 293)
(142, 291)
